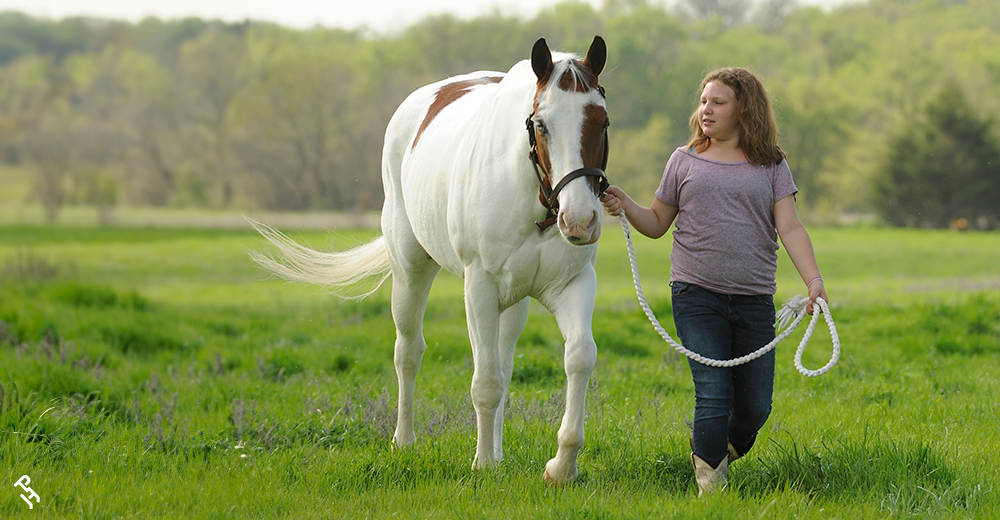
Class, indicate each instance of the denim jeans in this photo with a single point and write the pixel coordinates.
(731, 404)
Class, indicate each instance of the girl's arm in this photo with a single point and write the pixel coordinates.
(653, 221)
(796, 240)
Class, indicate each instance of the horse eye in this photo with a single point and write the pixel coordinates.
(607, 123)
(541, 127)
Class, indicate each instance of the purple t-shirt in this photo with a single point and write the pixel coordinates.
(725, 239)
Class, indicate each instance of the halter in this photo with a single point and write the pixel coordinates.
(550, 195)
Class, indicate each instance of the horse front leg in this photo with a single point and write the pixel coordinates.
(482, 309)
(512, 323)
(574, 313)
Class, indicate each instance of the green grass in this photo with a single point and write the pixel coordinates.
(155, 372)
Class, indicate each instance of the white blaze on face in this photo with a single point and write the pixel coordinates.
(568, 117)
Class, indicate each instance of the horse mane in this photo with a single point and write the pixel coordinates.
(572, 74)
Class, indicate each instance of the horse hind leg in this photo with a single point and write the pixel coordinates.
(411, 284)
(483, 315)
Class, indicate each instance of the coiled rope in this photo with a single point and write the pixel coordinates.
(793, 311)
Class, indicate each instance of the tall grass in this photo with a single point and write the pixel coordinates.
(152, 373)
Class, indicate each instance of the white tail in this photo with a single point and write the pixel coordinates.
(297, 263)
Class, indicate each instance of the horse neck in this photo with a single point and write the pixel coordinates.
(501, 123)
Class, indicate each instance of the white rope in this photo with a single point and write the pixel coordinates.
(793, 311)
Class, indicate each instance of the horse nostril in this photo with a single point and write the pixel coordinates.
(579, 231)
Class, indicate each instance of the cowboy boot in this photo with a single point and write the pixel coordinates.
(733, 454)
(710, 479)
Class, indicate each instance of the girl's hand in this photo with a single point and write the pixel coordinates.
(816, 290)
(612, 200)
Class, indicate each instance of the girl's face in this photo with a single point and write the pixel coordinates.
(717, 113)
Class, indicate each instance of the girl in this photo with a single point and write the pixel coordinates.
(732, 196)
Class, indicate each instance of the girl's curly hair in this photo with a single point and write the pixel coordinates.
(758, 130)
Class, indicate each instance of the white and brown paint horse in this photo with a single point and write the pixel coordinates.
(462, 192)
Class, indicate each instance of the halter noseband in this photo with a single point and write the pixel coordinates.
(550, 195)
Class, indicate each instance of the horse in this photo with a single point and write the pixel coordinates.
(514, 213)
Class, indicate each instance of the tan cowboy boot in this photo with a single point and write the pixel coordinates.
(733, 454)
(710, 479)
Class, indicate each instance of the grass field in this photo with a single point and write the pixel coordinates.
(155, 372)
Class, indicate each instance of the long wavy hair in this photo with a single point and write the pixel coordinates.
(758, 130)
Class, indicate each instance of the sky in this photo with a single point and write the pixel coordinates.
(380, 15)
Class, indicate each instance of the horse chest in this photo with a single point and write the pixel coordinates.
(542, 267)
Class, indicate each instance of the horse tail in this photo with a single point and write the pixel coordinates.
(334, 270)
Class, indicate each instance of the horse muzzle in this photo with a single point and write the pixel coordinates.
(580, 228)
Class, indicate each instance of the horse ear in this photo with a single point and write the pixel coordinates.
(597, 56)
(541, 59)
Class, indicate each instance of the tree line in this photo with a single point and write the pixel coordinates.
(887, 107)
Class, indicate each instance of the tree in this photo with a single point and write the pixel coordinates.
(730, 13)
(210, 72)
(637, 157)
(942, 168)
(21, 35)
(770, 15)
(644, 77)
(49, 154)
(295, 141)
(37, 101)
(204, 113)
(124, 114)
(813, 134)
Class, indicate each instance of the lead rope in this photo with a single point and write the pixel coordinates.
(793, 311)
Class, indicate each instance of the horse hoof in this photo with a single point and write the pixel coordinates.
(399, 445)
(552, 480)
(548, 478)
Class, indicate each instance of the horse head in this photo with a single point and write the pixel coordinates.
(568, 130)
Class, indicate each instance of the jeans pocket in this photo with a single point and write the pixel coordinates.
(680, 288)
(766, 299)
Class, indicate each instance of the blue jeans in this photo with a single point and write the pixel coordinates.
(731, 404)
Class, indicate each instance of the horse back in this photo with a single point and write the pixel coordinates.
(422, 107)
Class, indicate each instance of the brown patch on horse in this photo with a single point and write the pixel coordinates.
(592, 140)
(447, 95)
(577, 78)
(545, 164)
